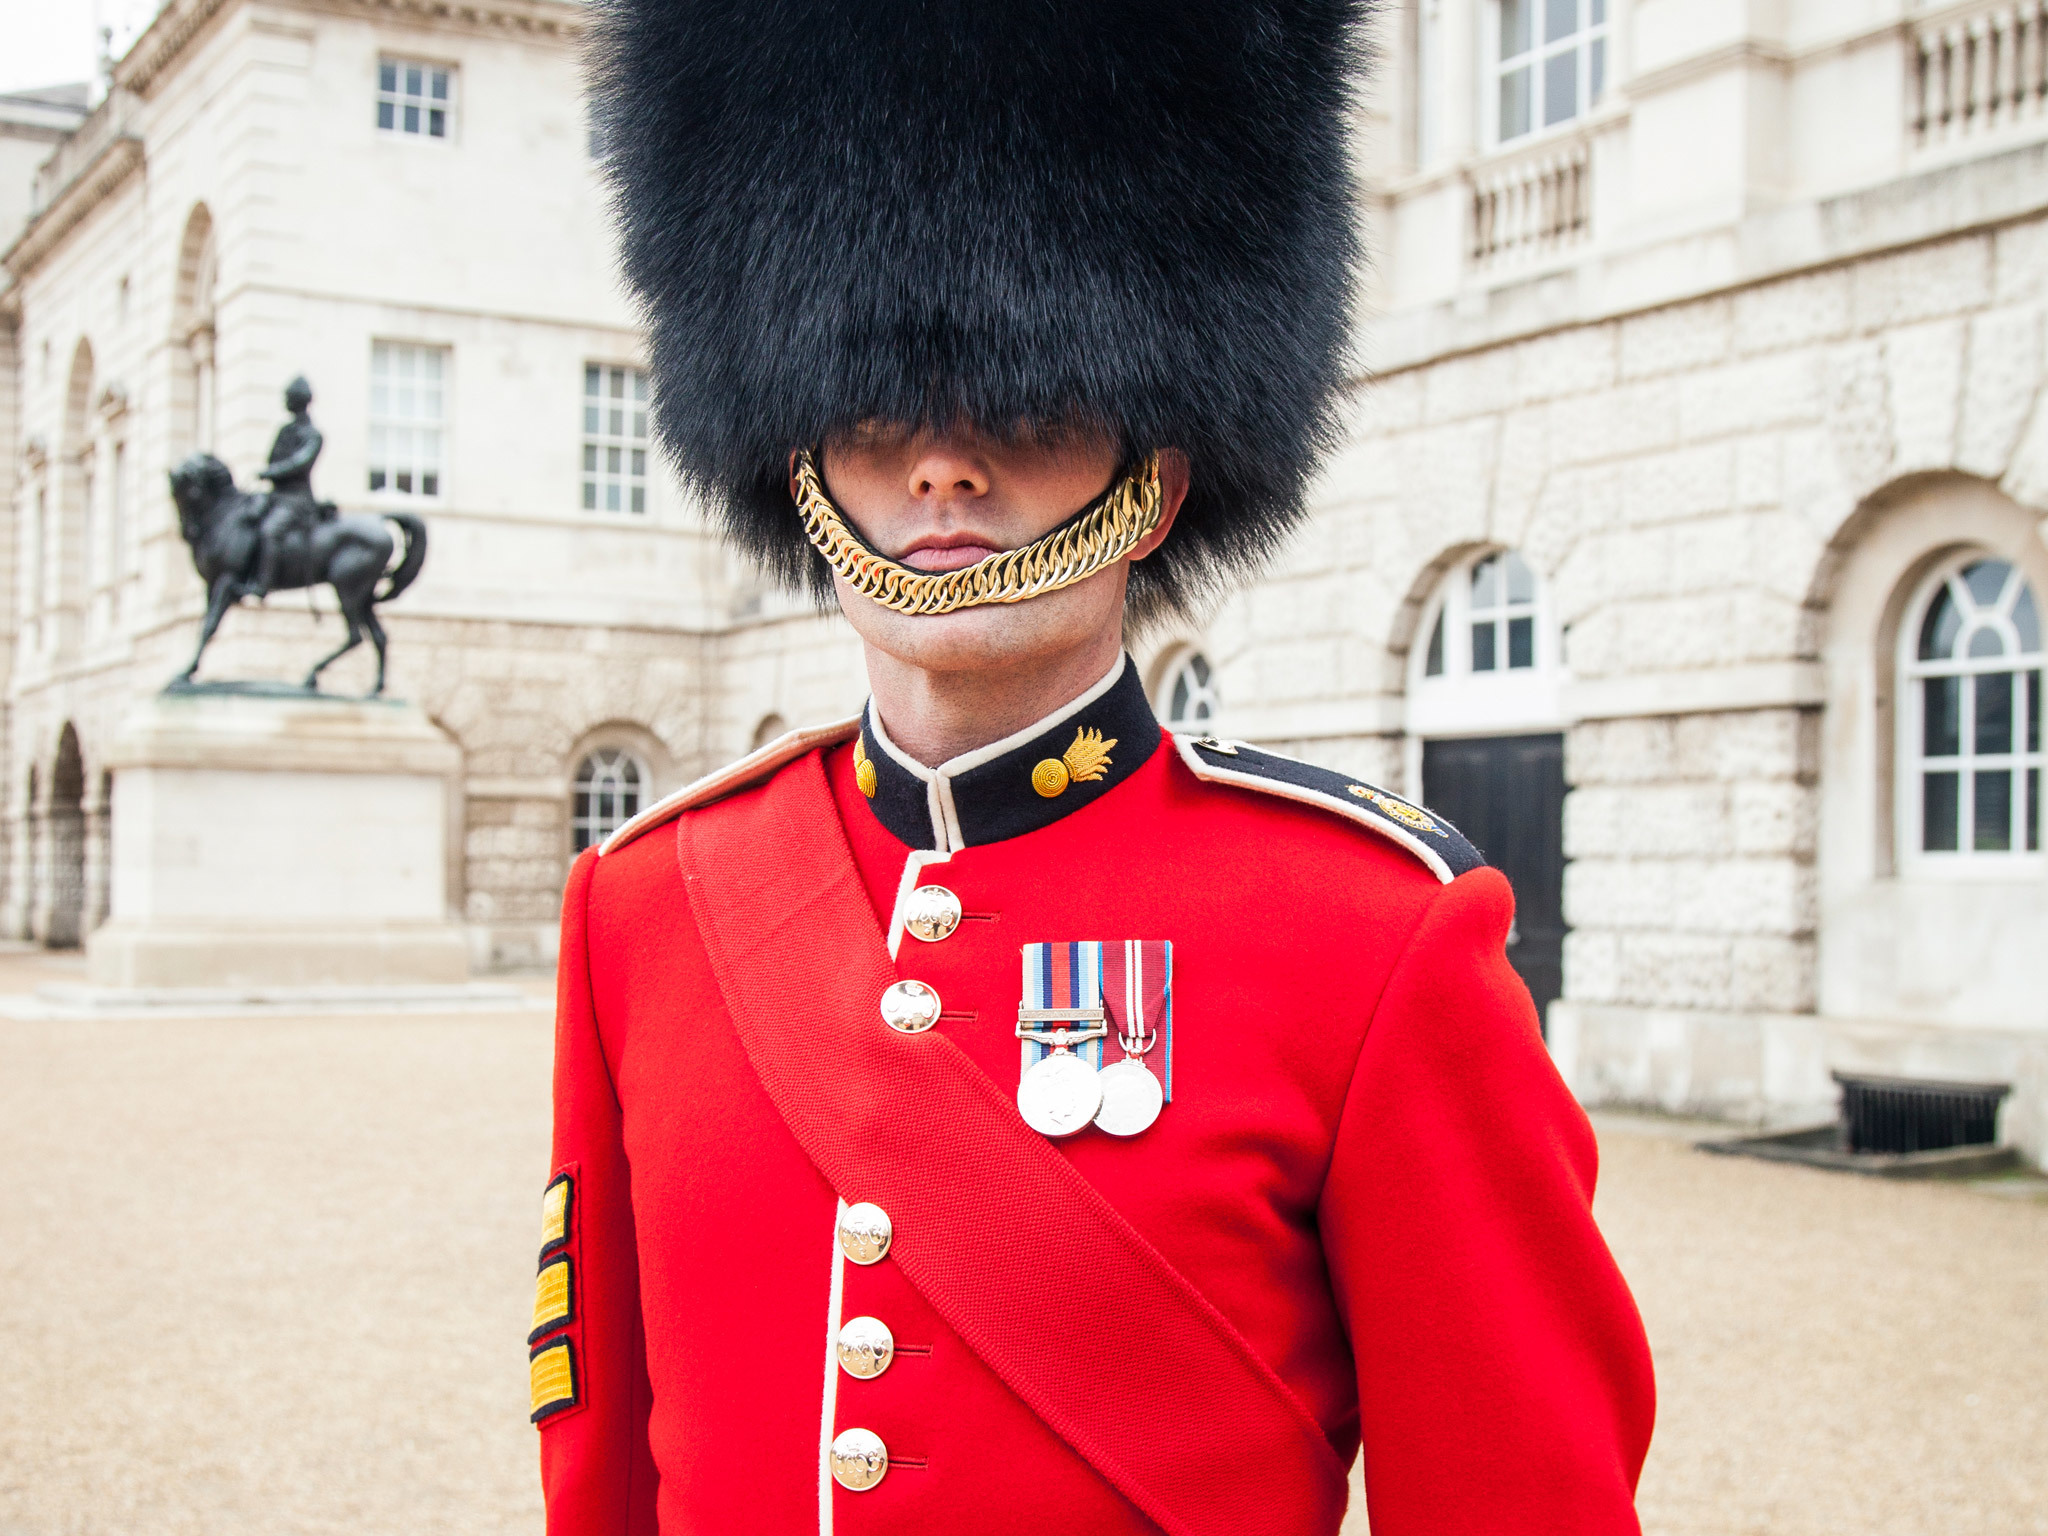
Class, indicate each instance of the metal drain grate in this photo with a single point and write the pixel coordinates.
(1895, 1114)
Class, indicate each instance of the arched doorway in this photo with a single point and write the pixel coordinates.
(192, 335)
(63, 921)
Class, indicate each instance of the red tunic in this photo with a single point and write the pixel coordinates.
(1368, 1165)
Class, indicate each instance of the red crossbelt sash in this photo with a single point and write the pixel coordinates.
(1172, 1407)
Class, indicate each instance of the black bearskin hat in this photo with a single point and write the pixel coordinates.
(1130, 214)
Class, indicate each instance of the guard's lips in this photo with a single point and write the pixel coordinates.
(947, 552)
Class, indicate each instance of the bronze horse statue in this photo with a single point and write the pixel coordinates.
(352, 554)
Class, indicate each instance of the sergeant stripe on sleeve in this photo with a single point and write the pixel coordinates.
(551, 1374)
(554, 1213)
(551, 1298)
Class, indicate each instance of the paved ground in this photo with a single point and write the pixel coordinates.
(271, 1276)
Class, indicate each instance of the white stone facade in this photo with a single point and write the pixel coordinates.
(1733, 355)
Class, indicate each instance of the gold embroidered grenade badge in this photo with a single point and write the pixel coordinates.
(1086, 760)
(863, 770)
(1400, 810)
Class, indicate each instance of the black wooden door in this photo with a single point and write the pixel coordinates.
(1506, 794)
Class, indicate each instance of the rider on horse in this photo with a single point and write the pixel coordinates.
(292, 510)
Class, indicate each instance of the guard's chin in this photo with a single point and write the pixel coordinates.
(994, 637)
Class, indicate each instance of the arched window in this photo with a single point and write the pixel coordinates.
(609, 787)
(1487, 619)
(1489, 661)
(1970, 717)
(1188, 691)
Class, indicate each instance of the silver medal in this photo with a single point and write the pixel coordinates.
(1131, 1097)
(1060, 1095)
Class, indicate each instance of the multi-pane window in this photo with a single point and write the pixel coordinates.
(606, 795)
(415, 98)
(1191, 696)
(408, 396)
(1972, 721)
(1553, 62)
(614, 439)
(1497, 621)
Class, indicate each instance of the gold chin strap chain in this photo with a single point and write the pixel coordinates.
(1103, 535)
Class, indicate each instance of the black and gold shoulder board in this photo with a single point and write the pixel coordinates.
(1423, 833)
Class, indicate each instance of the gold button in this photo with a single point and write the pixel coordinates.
(932, 913)
(859, 1459)
(864, 1233)
(910, 1007)
(1050, 777)
(866, 1346)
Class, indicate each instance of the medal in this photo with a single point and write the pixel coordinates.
(1061, 1093)
(1131, 1097)
(1137, 975)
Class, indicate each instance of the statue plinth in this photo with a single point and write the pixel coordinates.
(279, 841)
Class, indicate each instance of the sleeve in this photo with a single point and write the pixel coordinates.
(587, 1352)
(1504, 1379)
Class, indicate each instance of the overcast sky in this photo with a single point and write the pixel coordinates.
(53, 42)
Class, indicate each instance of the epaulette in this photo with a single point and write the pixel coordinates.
(1428, 836)
(733, 777)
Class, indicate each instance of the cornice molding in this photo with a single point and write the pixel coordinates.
(109, 169)
(167, 38)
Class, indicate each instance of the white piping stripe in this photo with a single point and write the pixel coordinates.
(831, 1408)
(912, 868)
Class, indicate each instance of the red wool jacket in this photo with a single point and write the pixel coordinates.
(1368, 1165)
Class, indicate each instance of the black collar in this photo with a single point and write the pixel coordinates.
(1071, 758)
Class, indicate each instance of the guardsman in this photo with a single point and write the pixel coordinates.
(992, 1113)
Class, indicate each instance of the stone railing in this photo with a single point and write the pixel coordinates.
(110, 120)
(1977, 70)
(1530, 204)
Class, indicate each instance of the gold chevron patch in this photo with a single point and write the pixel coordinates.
(551, 1376)
(554, 1213)
(551, 1302)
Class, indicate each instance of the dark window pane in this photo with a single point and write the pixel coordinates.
(1992, 729)
(376, 479)
(590, 458)
(440, 85)
(611, 460)
(639, 385)
(1938, 813)
(590, 418)
(582, 839)
(437, 123)
(590, 377)
(430, 484)
(387, 75)
(1482, 647)
(386, 114)
(1596, 71)
(1433, 664)
(1486, 583)
(2033, 682)
(1986, 580)
(1521, 643)
(1515, 16)
(590, 495)
(1521, 580)
(1178, 710)
(1943, 624)
(1560, 19)
(1599, 12)
(404, 481)
(639, 423)
(2033, 810)
(412, 81)
(639, 461)
(1941, 716)
(1993, 794)
(611, 498)
(1986, 642)
(1514, 103)
(618, 423)
(2026, 620)
(582, 803)
(412, 119)
(1560, 87)
(639, 499)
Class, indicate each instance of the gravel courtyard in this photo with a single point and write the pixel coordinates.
(271, 1276)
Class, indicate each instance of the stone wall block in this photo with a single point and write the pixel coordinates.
(1924, 385)
(1712, 553)
(1519, 478)
(1679, 337)
(1637, 563)
(1621, 894)
(1592, 966)
(1778, 816)
(2026, 482)
(1567, 362)
(1615, 423)
(1684, 482)
(2002, 380)
(1747, 744)
(1389, 403)
(1634, 750)
(1859, 415)
(1795, 312)
(1750, 396)
(2019, 261)
(1760, 470)
(1774, 973)
(1948, 277)
(1450, 471)
(1474, 384)
(1676, 970)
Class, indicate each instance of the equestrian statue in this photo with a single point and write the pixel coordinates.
(253, 543)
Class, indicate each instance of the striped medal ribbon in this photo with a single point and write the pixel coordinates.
(1077, 995)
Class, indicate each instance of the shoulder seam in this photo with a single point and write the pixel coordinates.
(1304, 795)
(733, 777)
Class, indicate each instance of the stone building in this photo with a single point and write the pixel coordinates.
(1687, 547)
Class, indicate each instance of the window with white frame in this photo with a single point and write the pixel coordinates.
(614, 438)
(1487, 619)
(415, 98)
(1487, 659)
(1189, 692)
(1552, 63)
(1970, 716)
(609, 786)
(408, 404)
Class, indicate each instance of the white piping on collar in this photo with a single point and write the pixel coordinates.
(938, 781)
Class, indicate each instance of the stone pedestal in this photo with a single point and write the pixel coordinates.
(279, 842)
